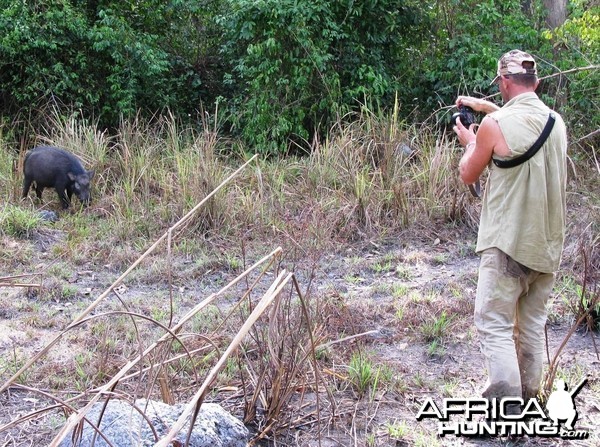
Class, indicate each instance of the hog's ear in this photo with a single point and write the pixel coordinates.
(91, 174)
(71, 176)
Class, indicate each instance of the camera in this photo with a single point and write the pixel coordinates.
(466, 115)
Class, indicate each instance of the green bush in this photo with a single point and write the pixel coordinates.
(109, 58)
(298, 66)
(464, 45)
(284, 71)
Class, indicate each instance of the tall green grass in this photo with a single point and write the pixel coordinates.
(9, 186)
(18, 222)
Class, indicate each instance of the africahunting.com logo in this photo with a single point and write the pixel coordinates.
(509, 416)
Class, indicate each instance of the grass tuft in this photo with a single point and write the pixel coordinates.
(18, 222)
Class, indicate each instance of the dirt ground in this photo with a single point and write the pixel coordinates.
(386, 291)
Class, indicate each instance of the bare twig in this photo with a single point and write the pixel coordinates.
(350, 337)
(589, 135)
(10, 281)
(572, 70)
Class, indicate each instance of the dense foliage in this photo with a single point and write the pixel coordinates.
(298, 65)
(467, 46)
(282, 70)
(109, 58)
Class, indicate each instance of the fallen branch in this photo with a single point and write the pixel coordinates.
(9, 281)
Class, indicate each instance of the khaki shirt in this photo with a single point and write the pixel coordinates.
(523, 211)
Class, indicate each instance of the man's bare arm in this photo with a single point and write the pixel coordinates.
(478, 151)
(477, 104)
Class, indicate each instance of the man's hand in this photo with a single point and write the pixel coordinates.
(465, 136)
(477, 104)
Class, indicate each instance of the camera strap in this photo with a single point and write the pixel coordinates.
(511, 163)
(475, 189)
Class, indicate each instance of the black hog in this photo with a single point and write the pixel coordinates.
(51, 167)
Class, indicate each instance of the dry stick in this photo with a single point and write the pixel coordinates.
(27, 275)
(19, 284)
(589, 135)
(256, 381)
(8, 281)
(191, 407)
(122, 277)
(572, 70)
(170, 276)
(350, 337)
(75, 419)
(171, 359)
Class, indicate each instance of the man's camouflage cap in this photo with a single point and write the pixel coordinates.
(515, 62)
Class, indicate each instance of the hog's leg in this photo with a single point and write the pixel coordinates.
(70, 193)
(61, 191)
(38, 191)
(26, 185)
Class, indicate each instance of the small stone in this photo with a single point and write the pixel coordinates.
(49, 216)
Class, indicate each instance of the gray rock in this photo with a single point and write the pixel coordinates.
(403, 149)
(49, 216)
(125, 427)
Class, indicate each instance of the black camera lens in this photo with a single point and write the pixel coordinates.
(466, 115)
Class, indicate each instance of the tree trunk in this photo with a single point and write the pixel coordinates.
(556, 16)
(557, 13)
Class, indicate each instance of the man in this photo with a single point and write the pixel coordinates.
(522, 225)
